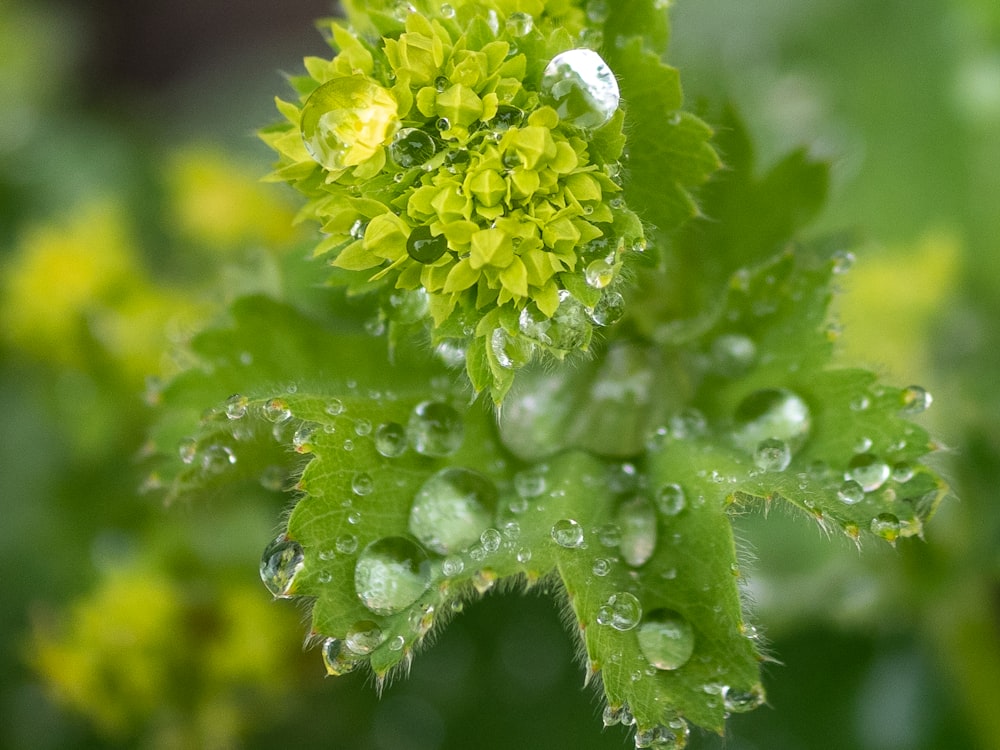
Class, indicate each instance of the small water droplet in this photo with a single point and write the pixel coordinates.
(530, 483)
(860, 403)
(519, 24)
(346, 544)
(663, 737)
(217, 458)
(524, 555)
(609, 535)
(666, 639)
(621, 611)
(484, 580)
(915, 400)
(391, 574)
(609, 309)
(567, 533)
(423, 246)
(236, 406)
(580, 86)
(390, 439)
(302, 440)
(452, 565)
(772, 454)
(887, 526)
(851, 493)
(282, 560)
(771, 413)
(602, 566)
(843, 261)
(869, 471)
(362, 484)
(637, 521)
(599, 273)
(277, 411)
(187, 450)
(334, 407)
(447, 11)
(451, 509)
(363, 637)
(741, 701)
(491, 540)
(903, 472)
(435, 429)
(336, 659)
(733, 354)
(671, 499)
(346, 120)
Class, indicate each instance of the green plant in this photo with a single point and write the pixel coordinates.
(555, 353)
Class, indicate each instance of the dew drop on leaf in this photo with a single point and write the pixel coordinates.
(580, 86)
(187, 450)
(363, 637)
(451, 509)
(771, 413)
(567, 533)
(621, 611)
(915, 400)
(666, 639)
(850, 492)
(391, 574)
(282, 560)
(411, 147)
(346, 120)
(869, 471)
(637, 521)
(530, 483)
(336, 659)
(609, 309)
(671, 499)
(424, 247)
(733, 354)
(673, 736)
(435, 429)
(772, 454)
(347, 544)
(390, 439)
(236, 406)
(903, 472)
(491, 540)
(741, 701)
(277, 411)
(519, 24)
(886, 525)
(362, 483)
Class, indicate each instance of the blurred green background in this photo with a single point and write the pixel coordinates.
(130, 212)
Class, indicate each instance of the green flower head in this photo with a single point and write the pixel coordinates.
(464, 159)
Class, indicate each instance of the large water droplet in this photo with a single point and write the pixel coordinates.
(637, 521)
(424, 247)
(851, 493)
(411, 147)
(771, 413)
(451, 509)
(346, 120)
(567, 533)
(391, 574)
(581, 88)
(869, 471)
(609, 309)
(435, 429)
(621, 611)
(915, 399)
(666, 639)
(282, 560)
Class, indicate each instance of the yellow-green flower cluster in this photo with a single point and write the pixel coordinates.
(458, 154)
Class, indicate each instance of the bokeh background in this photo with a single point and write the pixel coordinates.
(131, 211)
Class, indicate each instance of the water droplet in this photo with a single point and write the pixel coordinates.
(336, 659)
(187, 450)
(362, 484)
(671, 499)
(519, 24)
(637, 521)
(903, 472)
(452, 565)
(363, 637)
(524, 555)
(530, 483)
(346, 544)
(277, 411)
(860, 403)
(851, 493)
(772, 454)
(567, 533)
(915, 399)
(621, 611)
(451, 509)
(303, 438)
(843, 261)
(733, 354)
(602, 566)
(868, 471)
(217, 458)
(771, 413)
(423, 246)
(598, 11)
(390, 439)
(362, 427)
(666, 639)
(609, 309)
(581, 88)
(447, 11)
(354, 517)
(609, 535)
(887, 526)
(484, 580)
(236, 406)
(741, 701)
(612, 715)
(391, 574)
(599, 273)
(334, 407)
(282, 560)
(490, 539)
(863, 445)
(688, 423)
(346, 120)
(663, 737)
(435, 429)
